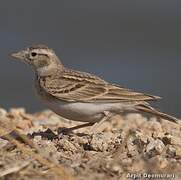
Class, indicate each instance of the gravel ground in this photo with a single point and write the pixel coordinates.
(128, 147)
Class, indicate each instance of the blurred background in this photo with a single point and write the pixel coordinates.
(133, 43)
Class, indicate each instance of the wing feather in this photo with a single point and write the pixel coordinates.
(77, 86)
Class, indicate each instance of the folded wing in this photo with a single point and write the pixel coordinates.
(76, 86)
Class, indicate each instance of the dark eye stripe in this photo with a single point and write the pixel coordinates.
(33, 54)
(43, 55)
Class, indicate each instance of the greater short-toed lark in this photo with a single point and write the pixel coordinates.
(81, 96)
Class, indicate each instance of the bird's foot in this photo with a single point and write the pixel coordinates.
(64, 131)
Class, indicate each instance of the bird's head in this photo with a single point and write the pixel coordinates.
(41, 58)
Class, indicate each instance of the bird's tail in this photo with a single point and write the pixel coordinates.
(148, 109)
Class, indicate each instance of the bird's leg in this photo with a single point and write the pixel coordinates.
(81, 126)
(107, 116)
(66, 130)
(95, 125)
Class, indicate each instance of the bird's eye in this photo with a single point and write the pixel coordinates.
(33, 54)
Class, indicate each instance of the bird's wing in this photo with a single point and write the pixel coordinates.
(76, 86)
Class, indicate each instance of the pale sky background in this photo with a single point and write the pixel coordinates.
(133, 43)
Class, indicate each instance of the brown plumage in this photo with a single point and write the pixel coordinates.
(57, 84)
(83, 87)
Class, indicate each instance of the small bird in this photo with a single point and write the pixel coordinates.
(81, 96)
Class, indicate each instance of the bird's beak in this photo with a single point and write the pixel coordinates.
(18, 55)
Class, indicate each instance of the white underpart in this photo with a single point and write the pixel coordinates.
(87, 112)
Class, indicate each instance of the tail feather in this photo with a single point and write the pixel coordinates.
(150, 110)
